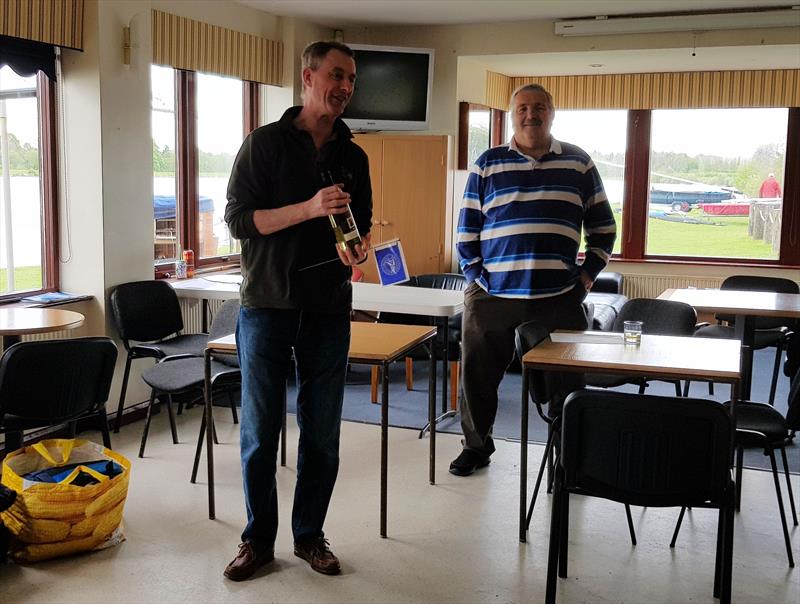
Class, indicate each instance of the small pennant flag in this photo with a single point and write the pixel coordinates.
(392, 268)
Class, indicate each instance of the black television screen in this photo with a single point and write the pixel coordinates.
(393, 88)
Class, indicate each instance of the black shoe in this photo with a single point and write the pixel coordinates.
(467, 462)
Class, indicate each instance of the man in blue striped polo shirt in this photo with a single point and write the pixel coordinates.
(519, 231)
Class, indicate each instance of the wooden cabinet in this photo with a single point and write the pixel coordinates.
(409, 199)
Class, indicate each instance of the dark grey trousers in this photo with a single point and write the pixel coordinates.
(488, 349)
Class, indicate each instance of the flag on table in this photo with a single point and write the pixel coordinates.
(391, 263)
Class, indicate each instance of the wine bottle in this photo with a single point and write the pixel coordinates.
(344, 225)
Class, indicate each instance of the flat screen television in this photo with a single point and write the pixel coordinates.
(393, 88)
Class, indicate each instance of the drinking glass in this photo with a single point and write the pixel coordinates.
(632, 331)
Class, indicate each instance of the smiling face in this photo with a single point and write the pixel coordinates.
(328, 88)
(532, 117)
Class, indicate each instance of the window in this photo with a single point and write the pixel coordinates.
(199, 122)
(219, 136)
(479, 126)
(165, 208)
(691, 185)
(602, 134)
(27, 171)
(706, 197)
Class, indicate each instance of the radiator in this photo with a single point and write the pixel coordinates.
(651, 286)
(53, 335)
(192, 310)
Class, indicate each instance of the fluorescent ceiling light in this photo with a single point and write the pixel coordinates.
(599, 26)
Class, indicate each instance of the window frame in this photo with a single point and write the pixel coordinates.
(48, 188)
(636, 193)
(496, 128)
(187, 168)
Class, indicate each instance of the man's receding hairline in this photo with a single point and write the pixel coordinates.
(532, 88)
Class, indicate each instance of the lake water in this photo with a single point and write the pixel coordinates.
(26, 223)
(27, 212)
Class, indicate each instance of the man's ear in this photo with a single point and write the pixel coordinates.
(307, 76)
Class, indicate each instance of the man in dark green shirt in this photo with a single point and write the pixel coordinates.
(288, 177)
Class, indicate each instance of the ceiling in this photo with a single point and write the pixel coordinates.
(343, 13)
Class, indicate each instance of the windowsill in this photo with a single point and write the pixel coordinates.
(734, 262)
(19, 303)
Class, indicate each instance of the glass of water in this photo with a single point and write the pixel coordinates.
(632, 332)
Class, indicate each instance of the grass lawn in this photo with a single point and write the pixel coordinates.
(25, 278)
(726, 238)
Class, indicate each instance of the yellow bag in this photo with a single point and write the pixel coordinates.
(48, 520)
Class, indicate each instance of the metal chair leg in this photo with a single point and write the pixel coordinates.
(677, 527)
(234, 414)
(631, 530)
(102, 418)
(172, 425)
(789, 485)
(147, 422)
(123, 390)
(283, 430)
(545, 456)
(775, 368)
(198, 450)
(739, 464)
(780, 508)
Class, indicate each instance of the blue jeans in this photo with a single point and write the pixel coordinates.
(265, 339)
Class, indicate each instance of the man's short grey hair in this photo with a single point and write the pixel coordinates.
(531, 88)
(314, 53)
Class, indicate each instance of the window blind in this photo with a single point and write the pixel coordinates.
(184, 43)
(55, 22)
(671, 90)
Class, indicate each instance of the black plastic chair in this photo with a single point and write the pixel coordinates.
(659, 317)
(180, 374)
(451, 281)
(148, 318)
(541, 387)
(761, 426)
(769, 331)
(644, 450)
(53, 382)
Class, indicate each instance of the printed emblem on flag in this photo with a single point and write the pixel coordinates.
(391, 262)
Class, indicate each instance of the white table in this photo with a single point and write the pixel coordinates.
(746, 306)
(439, 303)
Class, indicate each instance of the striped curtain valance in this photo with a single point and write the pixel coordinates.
(56, 22)
(498, 90)
(196, 46)
(672, 90)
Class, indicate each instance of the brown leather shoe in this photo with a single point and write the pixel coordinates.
(247, 561)
(319, 555)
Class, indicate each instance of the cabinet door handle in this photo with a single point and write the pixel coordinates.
(385, 223)
(376, 223)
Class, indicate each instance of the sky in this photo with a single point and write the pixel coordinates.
(219, 111)
(721, 132)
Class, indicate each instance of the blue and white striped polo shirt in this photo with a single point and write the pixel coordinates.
(520, 224)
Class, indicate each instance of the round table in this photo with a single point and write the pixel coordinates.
(16, 322)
